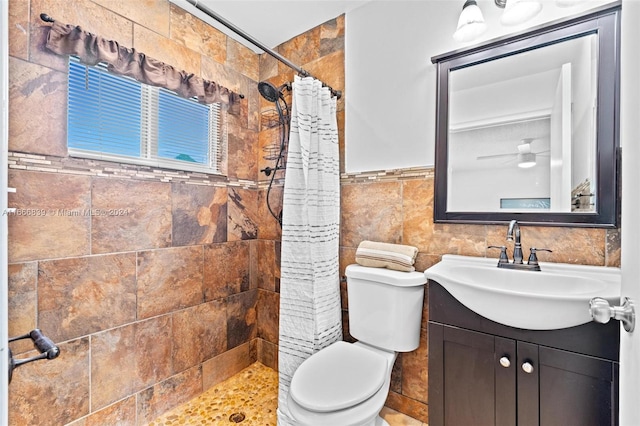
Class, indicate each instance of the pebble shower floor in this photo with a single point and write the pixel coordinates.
(249, 398)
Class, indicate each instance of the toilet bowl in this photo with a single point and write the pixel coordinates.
(346, 384)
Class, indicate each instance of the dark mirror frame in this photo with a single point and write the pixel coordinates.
(605, 22)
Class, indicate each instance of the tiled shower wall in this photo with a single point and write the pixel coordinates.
(157, 302)
(156, 307)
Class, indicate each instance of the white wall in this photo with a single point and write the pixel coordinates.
(482, 190)
(478, 185)
(522, 96)
(584, 73)
(390, 81)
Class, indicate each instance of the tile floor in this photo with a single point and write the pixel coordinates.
(248, 399)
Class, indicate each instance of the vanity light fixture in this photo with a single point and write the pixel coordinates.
(471, 23)
(526, 160)
(518, 11)
(567, 3)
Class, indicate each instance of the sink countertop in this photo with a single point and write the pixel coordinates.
(556, 297)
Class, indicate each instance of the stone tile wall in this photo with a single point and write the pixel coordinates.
(158, 301)
(154, 307)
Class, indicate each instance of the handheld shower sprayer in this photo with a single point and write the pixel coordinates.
(275, 94)
(270, 92)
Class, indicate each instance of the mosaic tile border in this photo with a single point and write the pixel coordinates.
(388, 175)
(102, 168)
(109, 169)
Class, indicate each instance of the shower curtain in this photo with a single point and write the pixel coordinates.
(310, 310)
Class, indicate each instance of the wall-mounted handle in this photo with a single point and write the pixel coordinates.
(505, 362)
(602, 312)
(44, 345)
(527, 367)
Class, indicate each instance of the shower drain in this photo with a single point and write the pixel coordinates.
(237, 417)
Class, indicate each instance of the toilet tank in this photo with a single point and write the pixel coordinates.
(385, 307)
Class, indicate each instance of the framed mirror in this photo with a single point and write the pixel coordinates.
(527, 126)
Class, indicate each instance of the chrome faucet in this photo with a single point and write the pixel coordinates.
(517, 248)
(514, 234)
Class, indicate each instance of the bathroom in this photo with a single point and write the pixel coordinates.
(166, 304)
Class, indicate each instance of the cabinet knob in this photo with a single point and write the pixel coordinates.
(504, 361)
(527, 367)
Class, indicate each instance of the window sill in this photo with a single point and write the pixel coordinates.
(182, 166)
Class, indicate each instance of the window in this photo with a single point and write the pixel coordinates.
(119, 119)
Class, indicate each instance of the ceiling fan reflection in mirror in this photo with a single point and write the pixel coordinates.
(525, 157)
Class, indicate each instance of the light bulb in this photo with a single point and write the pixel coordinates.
(519, 11)
(471, 22)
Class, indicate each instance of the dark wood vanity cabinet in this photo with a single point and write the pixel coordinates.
(485, 373)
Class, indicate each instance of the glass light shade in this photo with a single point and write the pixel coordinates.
(567, 3)
(526, 161)
(519, 11)
(471, 22)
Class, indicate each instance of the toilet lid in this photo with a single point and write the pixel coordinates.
(340, 376)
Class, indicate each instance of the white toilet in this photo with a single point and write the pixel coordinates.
(346, 384)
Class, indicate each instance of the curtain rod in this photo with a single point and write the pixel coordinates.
(249, 38)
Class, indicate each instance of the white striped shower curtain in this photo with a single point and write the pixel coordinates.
(310, 312)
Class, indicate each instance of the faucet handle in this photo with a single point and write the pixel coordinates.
(533, 259)
(503, 254)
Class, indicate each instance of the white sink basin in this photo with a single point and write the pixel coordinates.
(556, 297)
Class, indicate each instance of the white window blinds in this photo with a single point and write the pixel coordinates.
(119, 119)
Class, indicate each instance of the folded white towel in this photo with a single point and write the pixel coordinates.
(384, 255)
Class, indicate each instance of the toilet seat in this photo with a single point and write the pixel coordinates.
(340, 376)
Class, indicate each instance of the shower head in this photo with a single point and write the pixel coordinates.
(270, 92)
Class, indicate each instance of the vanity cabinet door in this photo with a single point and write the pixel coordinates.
(468, 383)
(528, 384)
(577, 389)
(566, 377)
(480, 379)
